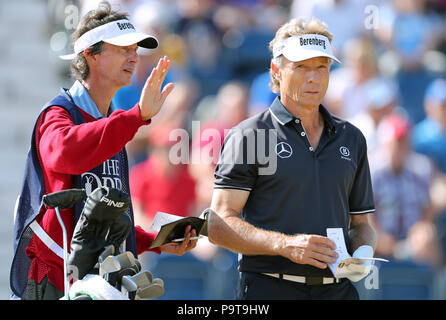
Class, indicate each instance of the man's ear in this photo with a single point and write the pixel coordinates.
(275, 71)
(91, 58)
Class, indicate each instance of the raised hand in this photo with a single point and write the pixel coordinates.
(152, 98)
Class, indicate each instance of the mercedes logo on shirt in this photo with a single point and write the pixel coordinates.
(283, 150)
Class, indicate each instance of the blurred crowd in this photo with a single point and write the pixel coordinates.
(391, 85)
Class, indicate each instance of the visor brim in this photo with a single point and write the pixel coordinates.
(70, 56)
(300, 55)
(143, 40)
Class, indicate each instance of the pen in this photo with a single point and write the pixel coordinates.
(182, 239)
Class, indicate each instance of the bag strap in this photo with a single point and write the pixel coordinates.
(46, 239)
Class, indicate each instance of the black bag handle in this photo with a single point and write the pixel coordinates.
(64, 199)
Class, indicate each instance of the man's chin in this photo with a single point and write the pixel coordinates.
(310, 103)
(125, 83)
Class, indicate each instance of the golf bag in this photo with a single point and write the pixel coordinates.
(96, 264)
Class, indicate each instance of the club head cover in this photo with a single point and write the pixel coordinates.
(64, 199)
(119, 231)
(102, 207)
(106, 204)
(86, 245)
(96, 288)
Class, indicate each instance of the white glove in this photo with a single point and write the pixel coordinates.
(361, 270)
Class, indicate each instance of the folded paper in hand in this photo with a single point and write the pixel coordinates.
(342, 268)
(172, 227)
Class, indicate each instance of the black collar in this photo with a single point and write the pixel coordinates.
(283, 116)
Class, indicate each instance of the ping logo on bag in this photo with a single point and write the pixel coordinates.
(116, 204)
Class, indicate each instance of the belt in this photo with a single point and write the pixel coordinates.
(311, 281)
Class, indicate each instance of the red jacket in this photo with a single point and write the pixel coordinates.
(65, 150)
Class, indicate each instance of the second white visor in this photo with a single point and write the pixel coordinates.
(303, 47)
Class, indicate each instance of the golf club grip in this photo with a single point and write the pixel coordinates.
(64, 199)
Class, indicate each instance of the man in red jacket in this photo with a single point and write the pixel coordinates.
(88, 151)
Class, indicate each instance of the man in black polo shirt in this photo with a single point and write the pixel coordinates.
(287, 174)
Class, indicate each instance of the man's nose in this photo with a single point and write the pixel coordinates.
(133, 56)
(313, 76)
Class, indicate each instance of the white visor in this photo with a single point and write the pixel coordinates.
(119, 33)
(307, 46)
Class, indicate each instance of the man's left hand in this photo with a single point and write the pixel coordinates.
(362, 269)
(182, 247)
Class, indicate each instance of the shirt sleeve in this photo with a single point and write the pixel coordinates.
(361, 196)
(144, 240)
(73, 149)
(235, 169)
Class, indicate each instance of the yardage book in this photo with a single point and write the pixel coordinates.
(171, 227)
